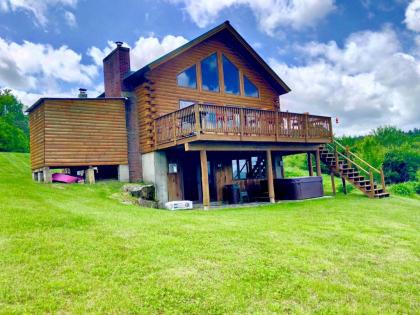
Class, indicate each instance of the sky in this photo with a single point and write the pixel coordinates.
(355, 60)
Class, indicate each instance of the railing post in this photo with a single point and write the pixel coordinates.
(337, 166)
(372, 189)
(382, 179)
(277, 124)
(197, 119)
(242, 122)
(331, 131)
(348, 155)
(306, 126)
(174, 127)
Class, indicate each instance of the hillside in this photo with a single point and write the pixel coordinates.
(77, 249)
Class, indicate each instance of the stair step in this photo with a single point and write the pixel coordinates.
(382, 195)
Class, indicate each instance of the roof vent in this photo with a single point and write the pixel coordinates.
(82, 93)
(118, 43)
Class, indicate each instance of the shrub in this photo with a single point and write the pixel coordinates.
(405, 189)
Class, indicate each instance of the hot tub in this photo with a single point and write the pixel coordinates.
(298, 188)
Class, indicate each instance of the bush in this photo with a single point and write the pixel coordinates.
(405, 189)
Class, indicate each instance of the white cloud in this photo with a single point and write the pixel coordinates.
(35, 67)
(412, 16)
(38, 8)
(144, 50)
(270, 14)
(70, 19)
(369, 82)
(147, 49)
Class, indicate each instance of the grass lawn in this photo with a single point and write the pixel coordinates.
(77, 249)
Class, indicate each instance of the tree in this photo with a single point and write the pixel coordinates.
(14, 127)
(401, 164)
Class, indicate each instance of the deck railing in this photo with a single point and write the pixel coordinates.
(233, 123)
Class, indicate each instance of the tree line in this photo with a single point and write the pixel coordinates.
(14, 125)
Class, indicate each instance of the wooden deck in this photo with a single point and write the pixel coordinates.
(228, 123)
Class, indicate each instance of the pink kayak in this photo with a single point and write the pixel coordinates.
(64, 178)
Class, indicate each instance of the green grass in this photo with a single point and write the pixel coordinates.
(77, 249)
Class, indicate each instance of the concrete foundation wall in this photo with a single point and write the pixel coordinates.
(155, 171)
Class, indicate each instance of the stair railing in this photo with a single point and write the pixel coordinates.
(370, 171)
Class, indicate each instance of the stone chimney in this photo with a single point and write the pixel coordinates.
(116, 66)
(82, 93)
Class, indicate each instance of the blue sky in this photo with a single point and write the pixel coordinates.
(356, 60)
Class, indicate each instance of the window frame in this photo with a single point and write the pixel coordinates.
(222, 57)
(196, 78)
(243, 82)
(219, 74)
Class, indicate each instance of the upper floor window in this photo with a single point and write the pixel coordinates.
(230, 76)
(188, 78)
(210, 73)
(250, 89)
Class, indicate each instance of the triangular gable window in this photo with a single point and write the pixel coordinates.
(188, 78)
(250, 89)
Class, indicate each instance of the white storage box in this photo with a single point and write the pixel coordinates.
(179, 205)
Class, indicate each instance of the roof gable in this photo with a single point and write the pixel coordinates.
(137, 77)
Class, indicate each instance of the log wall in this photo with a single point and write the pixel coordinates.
(161, 94)
(79, 133)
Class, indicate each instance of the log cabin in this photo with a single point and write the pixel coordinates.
(196, 122)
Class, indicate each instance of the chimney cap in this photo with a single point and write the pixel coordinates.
(82, 93)
(119, 43)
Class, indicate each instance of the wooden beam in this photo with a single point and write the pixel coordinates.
(238, 146)
(318, 163)
(205, 179)
(310, 167)
(333, 182)
(270, 177)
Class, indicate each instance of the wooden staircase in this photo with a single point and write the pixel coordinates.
(353, 169)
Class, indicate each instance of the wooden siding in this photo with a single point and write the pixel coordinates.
(161, 94)
(82, 133)
(37, 137)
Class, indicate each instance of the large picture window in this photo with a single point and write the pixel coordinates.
(188, 78)
(230, 76)
(250, 89)
(210, 74)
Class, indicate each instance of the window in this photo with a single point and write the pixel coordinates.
(239, 169)
(253, 167)
(210, 74)
(185, 103)
(250, 89)
(230, 76)
(188, 78)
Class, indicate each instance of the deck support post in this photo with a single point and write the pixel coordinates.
(270, 177)
(205, 179)
(333, 182)
(343, 181)
(318, 164)
(310, 167)
(90, 175)
(46, 175)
